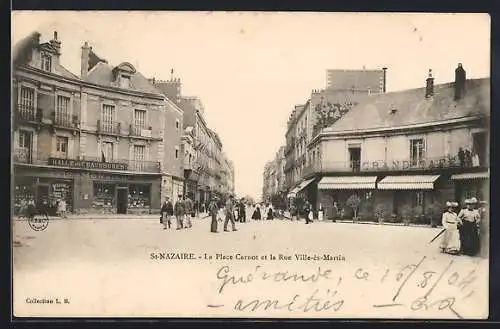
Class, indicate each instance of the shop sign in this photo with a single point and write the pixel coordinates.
(407, 165)
(85, 164)
(101, 177)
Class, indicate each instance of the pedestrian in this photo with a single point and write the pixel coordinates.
(213, 210)
(270, 212)
(167, 211)
(229, 214)
(61, 208)
(475, 159)
(450, 242)
(308, 212)
(469, 231)
(484, 232)
(188, 211)
(179, 212)
(256, 213)
(321, 212)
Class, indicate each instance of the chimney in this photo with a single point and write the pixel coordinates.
(56, 43)
(384, 81)
(85, 60)
(429, 87)
(460, 76)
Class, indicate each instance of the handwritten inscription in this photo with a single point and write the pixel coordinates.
(415, 287)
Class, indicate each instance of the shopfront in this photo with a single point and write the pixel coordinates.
(468, 185)
(43, 187)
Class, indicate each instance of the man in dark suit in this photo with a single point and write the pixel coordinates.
(167, 211)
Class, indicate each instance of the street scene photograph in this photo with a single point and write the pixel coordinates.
(250, 165)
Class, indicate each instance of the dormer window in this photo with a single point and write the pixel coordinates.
(124, 81)
(46, 62)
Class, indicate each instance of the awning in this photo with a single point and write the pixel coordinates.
(419, 182)
(347, 183)
(299, 188)
(475, 175)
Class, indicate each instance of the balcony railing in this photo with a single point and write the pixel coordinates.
(25, 156)
(64, 120)
(107, 127)
(140, 131)
(381, 165)
(28, 113)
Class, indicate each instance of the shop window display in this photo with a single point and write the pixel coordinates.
(139, 197)
(104, 195)
(61, 190)
(22, 194)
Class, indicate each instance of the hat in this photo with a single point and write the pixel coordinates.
(467, 201)
(454, 204)
(473, 200)
(449, 204)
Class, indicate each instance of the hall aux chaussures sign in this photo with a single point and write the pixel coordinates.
(85, 164)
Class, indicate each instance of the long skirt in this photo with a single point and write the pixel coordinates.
(469, 237)
(256, 215)
(450, 243)
(320, 215)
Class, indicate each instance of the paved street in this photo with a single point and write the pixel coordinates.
(104, 266)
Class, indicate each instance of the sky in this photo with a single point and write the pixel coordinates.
(250, 69)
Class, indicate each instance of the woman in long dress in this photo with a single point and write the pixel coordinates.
(450, 242)
(469, 231)
(321, 212)
(256, 213)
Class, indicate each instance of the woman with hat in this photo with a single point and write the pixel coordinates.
(451, 238)
(469, 231)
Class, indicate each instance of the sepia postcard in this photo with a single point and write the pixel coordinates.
(250, 165)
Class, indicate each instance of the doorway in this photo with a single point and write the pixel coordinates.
(480, 146)
(355, 158)
(121, 200)
(42, 198)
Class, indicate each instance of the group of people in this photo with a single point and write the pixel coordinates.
(183, 210)
(464, 232)
(48, 207)
(267, 213)
(230, 211)
(467, 158)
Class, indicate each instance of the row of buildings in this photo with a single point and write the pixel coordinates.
(404, 153)
(108, 140)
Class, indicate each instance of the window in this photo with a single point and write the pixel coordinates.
(139, 156)
(416, 151)
(176, 153)
(419, 198)
(139, 196)
(140, 119)
(107, 117)
(23, 154)
(124, 81)
(107, 151)
(27, 103)
(61, 147)
(176, 124)
(103, 195)
(62, 109)
(46, 62)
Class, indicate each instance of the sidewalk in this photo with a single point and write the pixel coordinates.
(109, 216)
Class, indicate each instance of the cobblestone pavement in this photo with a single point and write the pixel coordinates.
(112, 267)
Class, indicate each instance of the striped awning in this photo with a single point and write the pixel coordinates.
(347, 183)
(418, 182)
(299, 188)
(472, 175)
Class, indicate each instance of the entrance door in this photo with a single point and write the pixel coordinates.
(355, 158)
(121, 200)
(42, 197)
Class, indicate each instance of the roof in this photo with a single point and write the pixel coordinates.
(355, 79)
(102, 74)
(412, 107)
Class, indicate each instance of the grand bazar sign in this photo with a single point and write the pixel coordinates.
(406, 165)
(85, 164)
